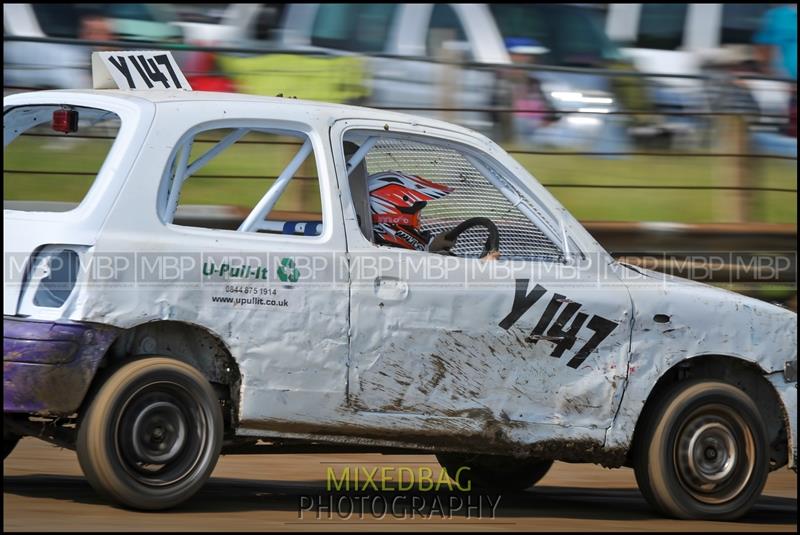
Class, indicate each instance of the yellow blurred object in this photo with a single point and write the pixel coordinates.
(632, 94)
(330, 79)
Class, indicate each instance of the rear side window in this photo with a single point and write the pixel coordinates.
(58, 20)
(65, 20)
(572, 35)
(740, 22)
(45, 169)
(353, 27)
(246, 179)
(444, 28)
(661, 26)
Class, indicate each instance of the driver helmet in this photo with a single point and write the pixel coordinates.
(396, 200)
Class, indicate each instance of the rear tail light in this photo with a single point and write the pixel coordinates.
(65, 121)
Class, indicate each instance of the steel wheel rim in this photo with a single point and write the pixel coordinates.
(714, 454)
(161, 434)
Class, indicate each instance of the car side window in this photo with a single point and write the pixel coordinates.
(740, 22)
(456, 185)
(245, 179)
(661, 26)
(53, 154)
(58, 20)
(444, 31)
(353, 27)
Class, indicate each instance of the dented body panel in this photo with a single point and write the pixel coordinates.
(554, 359)
(48, 366)
(676, 320)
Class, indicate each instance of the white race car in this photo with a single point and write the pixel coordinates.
(439, 300)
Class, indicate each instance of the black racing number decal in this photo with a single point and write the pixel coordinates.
(522, 302)
(122, 66)
(544, 321)
(141, 70)
(602, 328)
(148, 69)
(564, 340)
(164, 60)
(561, 336)
(152, 72)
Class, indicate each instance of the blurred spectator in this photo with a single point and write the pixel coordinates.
(532, 110)
(526, 93)
(776, 41)
(776, 47)
(95, 26)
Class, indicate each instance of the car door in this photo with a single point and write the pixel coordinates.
(530, 340)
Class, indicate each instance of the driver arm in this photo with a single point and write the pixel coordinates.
(440, 243)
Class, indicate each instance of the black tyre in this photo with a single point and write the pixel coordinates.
(152, 434)
(493, 472)
(703, 452)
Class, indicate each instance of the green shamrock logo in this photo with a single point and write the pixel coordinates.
(287, 271)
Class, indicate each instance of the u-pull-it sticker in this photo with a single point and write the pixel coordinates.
(137, 70)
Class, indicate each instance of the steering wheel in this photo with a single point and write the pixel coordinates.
(444, 242)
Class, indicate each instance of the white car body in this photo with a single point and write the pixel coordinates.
(377, 356)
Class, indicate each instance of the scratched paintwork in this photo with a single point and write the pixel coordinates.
(38, 375)
(355, 361)
(703, 320)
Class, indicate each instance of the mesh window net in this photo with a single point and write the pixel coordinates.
(473, 196)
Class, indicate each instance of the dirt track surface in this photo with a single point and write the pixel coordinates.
(43, 489)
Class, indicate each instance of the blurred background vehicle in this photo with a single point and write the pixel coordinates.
(54, 65)
(210, 25)
(718, 39)
(470, 42)
(684, 38)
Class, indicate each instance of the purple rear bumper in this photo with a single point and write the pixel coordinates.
(48, 366)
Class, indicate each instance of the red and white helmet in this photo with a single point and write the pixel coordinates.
(396, 200)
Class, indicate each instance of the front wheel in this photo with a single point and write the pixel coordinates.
(704, 453)
(152, 435)
(493, 472)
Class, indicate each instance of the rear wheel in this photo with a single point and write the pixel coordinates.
(704, 452)
(152, 435)
(493, 472)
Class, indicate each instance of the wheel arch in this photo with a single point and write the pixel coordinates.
(193, 344)
(746, 375)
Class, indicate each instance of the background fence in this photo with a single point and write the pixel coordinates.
(698, 151)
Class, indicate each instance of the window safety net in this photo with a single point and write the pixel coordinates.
(473, 196)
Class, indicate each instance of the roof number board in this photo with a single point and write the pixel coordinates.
(137, 70)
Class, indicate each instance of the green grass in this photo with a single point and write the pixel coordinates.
(691, 206)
